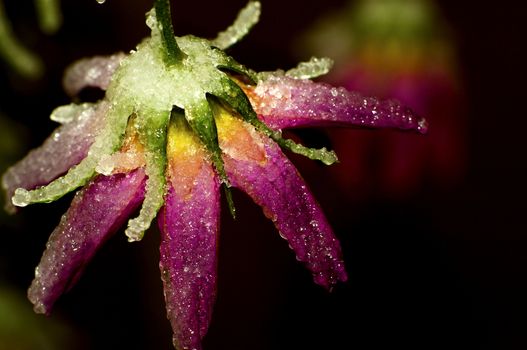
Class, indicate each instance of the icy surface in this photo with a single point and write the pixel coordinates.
(106, 142)
(256, 165)
(67, 113)
(285, 102)
(66, 146)
(246, 19)
(152, 134)
(130, 157)
(96, 213)
(91, 72)
(189, 227)
(313, 68)
(149, 83)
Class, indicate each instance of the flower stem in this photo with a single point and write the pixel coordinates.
(173, 53)
(14, 54)
(49, 15)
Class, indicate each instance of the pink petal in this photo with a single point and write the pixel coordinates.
(189, 227)
(94, 72)
(283, 102)
(96, 213)
(257, 166)
(64, 148)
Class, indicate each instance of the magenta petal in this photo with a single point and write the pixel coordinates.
(284, 102)
(96, 213)
(91, 72)
(277, 187)
(189, 227)
(64, 148)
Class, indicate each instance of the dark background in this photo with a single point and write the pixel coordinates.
(441, 269)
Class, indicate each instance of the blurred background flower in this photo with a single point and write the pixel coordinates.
(398, 49)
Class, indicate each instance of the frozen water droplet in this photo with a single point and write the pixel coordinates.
(100, 1)
(39, 308)
(21, 197)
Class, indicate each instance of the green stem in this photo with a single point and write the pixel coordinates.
(173, 54)
(49, 15)
(17, 56)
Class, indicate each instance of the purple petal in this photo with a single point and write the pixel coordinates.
(189, 226)
(284, 102)
(91, 72)
(256, 165)
(64, 148)
(96, 213)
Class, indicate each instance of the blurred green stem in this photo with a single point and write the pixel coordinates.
(15, 55)
(49, 15)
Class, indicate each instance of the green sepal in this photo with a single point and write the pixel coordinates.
(152, 127)
(201, 119)
(230, 201)
(107, 142)
(235, 99)
(322, 154)
(243, 23)
(227, 63)
(313, 68)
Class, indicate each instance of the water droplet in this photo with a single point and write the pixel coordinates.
(100, 1)
(422, 126)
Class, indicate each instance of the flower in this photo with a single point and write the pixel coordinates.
(399, 49)
(174, 127)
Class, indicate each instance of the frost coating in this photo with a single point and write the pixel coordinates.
(145, 80)
(95, 214)
(144, 85)
(106, 142)
(189, 224)
(272, 181)
(154, 138)
(71, 141)
(91, 72)
(284, 102)
(66, 114)
(246, 19)
(313, 68)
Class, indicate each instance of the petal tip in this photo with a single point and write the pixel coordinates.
(329, 278)
(39, 308)
(34, 294)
